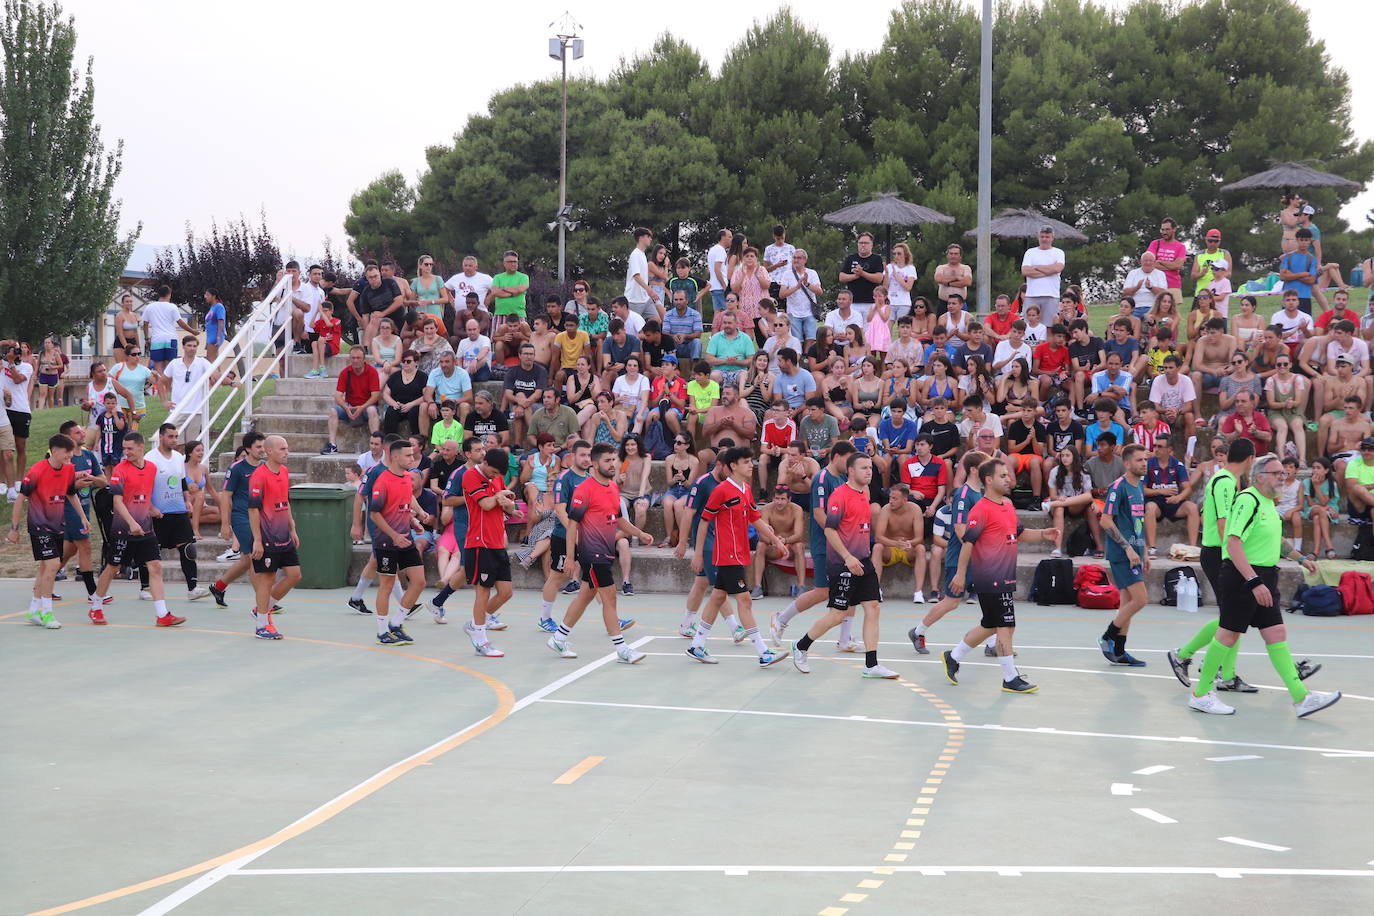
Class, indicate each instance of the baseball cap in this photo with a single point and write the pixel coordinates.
(1220, 264)
(1308, 210)
(1214, 233)
(782, 488)
(669, 358)
(1345, 358)
(1367, 442)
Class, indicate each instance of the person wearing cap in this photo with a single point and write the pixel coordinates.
(668, 394)
(1042, 266)
(1171, 254)
(1328, 273)
(1203, 263)
(1358, 481)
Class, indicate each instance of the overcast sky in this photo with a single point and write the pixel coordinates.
(189, 88)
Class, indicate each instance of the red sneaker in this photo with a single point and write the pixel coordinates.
(170, 620)
(98, 617)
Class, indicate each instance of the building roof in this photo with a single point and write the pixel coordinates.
(141, 259)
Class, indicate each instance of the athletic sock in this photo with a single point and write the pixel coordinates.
(1211, 664)
(699, 637)
(806, 642)
(220, 584)
(97, 601)
(361, 588)
(990, 642)
(847, 630)
(688, 618)
(34, 604)
(921, 629)
(729, 622)
(397, 615)
(546, 610)
(479, 632)
(564, 630)
(45, 604)
(752, 634)
(871, 659)
(789, 612)
(1228, 664)
(1282, 660)
(143, 579)
(88, 579)
(1118, 639)
(1202, 638)
(1297, 544)
(397, 593)
(1008, 663)
(383, 625)
(618, 641)
(444, 592)
(160, 607)
(190, 571)
(960, 649)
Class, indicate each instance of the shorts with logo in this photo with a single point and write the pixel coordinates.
(275, 558)
(174, 529)
(71, 523)
(131, 550)
(1125, 575)
(47, 545)
(486, 566)
(558, 553)
(598, 575)
(731, 580)
(20, 420)
(1239, 609)
(998, 609)
(391, 560)
(848, 590)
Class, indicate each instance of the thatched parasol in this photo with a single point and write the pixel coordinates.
(1290, 175)
(886, 210)
(1026, 224)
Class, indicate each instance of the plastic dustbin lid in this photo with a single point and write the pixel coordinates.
(321, 490)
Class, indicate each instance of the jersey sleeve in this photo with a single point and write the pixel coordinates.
(1243, 512)
(376, 501)
(1223, 495)
(255, 489)
(976, 521)
(1114, 497)
(116, 483)
(713, 504)
(30, 481)
(834, 513)
(577, 506)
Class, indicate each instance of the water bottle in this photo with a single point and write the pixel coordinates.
(1187, 594)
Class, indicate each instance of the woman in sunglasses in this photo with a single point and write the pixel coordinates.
(1239, 377)
(681, 468)
(1286, 393)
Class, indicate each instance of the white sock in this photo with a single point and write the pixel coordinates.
(397, 615)
(991, 641)
(921, 629)
(396, 592)
(847, 630)
(160, 607)
(1297, 544)
(960, 649)
(759, 645)
(361, 588)
(46, 603)
(383, 623)
(34, 603)
(97, 601)
(1008, 664)
(546, 610)
(699, 638)
(730, 622)
(688, 618)
(789, 612)
(479, 632)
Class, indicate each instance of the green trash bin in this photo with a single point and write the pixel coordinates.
(324, 514)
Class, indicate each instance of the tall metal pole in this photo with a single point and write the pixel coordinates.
(984, 279)
(563, 161)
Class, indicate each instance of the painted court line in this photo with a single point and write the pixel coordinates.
(1219, 871)
(1150, 771)
(1237, 757)
(1253, 844)
(1152, 815)
(577, 772)
(1057, 732)
(1123, 788)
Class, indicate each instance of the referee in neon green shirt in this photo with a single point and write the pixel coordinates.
(1248, 583)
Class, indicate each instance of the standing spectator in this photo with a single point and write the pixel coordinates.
(1144, 283)
(469, 281)
(125, 326)
(432, 297)
(162, 324)
(861, 271)
(683, 280)
(1041, 266)
(378, 298)
(750, 283)
(521, 391)
(777, 258)
(683, 324)
(355, 398)
(716, 261)
(216, 325)
(188, 392)
(508, 289)
(1203, 264)
(306, 297)
(474, 353)
(1171, 255)
(643, 300)
(1298, 270)
(659, 269)
(800, 287)
(1328, 272)
(449, 383)
(133, 376)
(953, 276)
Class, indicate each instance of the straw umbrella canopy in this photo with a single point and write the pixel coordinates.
(886, 210)
(1289, 175)
(1026, 224)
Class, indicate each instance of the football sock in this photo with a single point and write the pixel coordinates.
(752, 634)
(160, 607)
(397, 615)
(397, 593)
(383, 624)
(960, 649)
(88, 579)
(1008, 663)
(143, 577)
(564, 630)
(789, 612)
(688, 618)
(1282, 660)
(847, 630)
(1211, 664)
(618, 641)
(871, 659)
(730, 622)
(546, 610)
(990, 642)
(806, 642)
(699, 638)
(361, 588)
(1228, 664)
(921, 629)
(444, 592)
(1202, 638)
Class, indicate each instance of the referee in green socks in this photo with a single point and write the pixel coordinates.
(1249, 581)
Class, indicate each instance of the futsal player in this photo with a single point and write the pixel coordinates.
(730, 511)
(961, 503)
(595, 523)
(49, 490)
(704, 578)
(233, 512)
(274, 536)
(173, 523)
(987, 562)
(853, 580)
(135, 544)
(89, 473)
(485, 559)
(1123, 522)
(363, 521)
(391, 509)
(1249, 580)
(578, 470)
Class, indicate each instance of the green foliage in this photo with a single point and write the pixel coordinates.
(1106, 119)
(61, 255)
(240, 262)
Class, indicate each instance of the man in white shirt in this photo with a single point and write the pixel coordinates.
(643, 300)
(471, 280)
(716, 260)
(15, 378)
(1144, 284)
(801, 288)
(844, 314)
(474, 353)
(621, 308)
(777, 257)
(1013, 348)
(1173, 393)
(162, 322)
(1296, 324)
(1041, 267)
(186, 375)
(306, 296)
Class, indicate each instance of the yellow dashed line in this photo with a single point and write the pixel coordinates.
(870, 884)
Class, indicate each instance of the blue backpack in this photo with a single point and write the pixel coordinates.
(1318, 601)
(657, 443)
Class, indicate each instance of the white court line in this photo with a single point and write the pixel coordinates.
(869, 720)
(1124, 788)
(210, 878)
(1160, 768)
(1150, 814)
(1237, 757)
(1093, 649)
(1253, 844)
(1217, 871)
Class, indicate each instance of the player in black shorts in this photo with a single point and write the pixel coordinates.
(275, 540)
(49, 489)
(393, 509)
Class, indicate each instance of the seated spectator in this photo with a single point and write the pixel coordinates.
(668, 395)
(654, 345)
(683, 323)
(554, 417)
(927, 475)
(326, 337)
(428, 345)
(508, 338)
(703, 393)
(778, 433)
(355, 398)
(1105, 466)
(731, 419)
(728, 352)
(1124, 344)
(404, 396)
(521, 390)
(1115, 383)
(1051, 361)
(474, 352)
(817, 428)
(1087, 355)
(1174, 394)
(942, 430)
(899, 537)
(570, 346)
(1071, 494)
(1167, 488)
(448, 382)
(447, 428)
(485, 420)
(1145, 283)
(1106, 411)
(619, 347)
(1249, 423)
(1061, 431)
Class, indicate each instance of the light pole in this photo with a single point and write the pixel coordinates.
(566, 40)
(985, 165)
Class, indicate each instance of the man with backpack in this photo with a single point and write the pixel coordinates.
(1249, 581)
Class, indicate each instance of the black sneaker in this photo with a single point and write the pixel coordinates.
(1180, 666)
(359, 605)
(1018, 684)
(61, 575)
(1236, 685)
(627, 589)
(572, 587)
(1306, 669)
(951, 667)
(218, 594)
(329, 449)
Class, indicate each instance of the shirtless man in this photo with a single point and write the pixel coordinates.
(789, 523)
(797, 472)
(507, 338)
(730, 419)
(1341, 340)
(1336, 392)
(1211, 355)
(1343, 435)
(899, 533)
(542, 340)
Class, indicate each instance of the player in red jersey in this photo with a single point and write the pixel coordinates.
(274, 535)
(849, 555)
(48, 488)
(489, 501)
(393, 508)
(988, 563)
(730, 511)
(135, 544)
(595, 523)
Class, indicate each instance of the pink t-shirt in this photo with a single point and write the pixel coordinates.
(1169, 251)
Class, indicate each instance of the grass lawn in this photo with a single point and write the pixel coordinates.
(1101, 312)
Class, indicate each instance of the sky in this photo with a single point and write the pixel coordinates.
(232, 109)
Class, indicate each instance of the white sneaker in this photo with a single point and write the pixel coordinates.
(200, 591)
(880, 671)
(145, 595)
(1315, 701)
(627, 656)
(1056, 553)
(799, 660)
(561, 646)
(688, 631)
(1214, 707)
(440, 615)
(775, 630)
(228, 556)
(494, 622)
(850, 646)
(487, 650)
(471, 630)
(739, 635)
(918, 597)
(13, 494)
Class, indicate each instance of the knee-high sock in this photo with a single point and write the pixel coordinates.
(143, 579)
(189, 569)
(1282, 660)
(1228, 664)
(1211, 664)
(1202, 638)
(88, 578)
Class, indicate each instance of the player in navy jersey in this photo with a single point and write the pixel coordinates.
(595, 523)
(830, 478)
(49, 489)
(89, 473)
(1123, 523)
(730, 511)
(561, 564)
(275, 540)
(849, 555)
(393, 512)
(233, 512)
